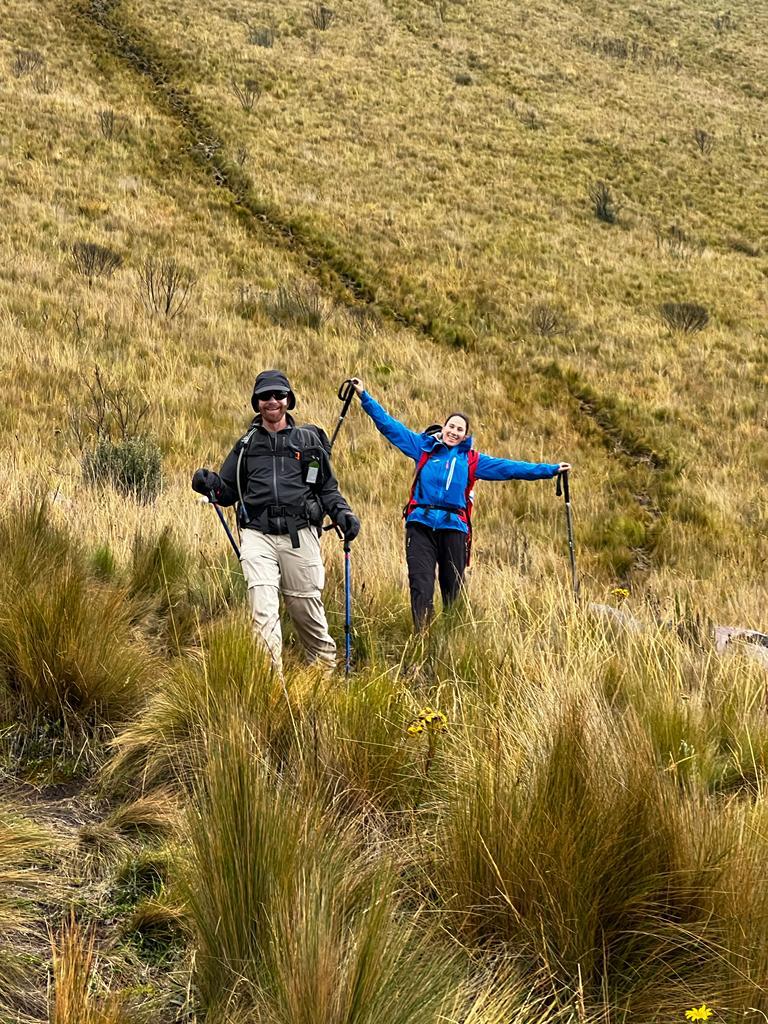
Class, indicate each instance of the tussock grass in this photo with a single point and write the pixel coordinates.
(69, 652)
(23, 846)
(586, 841)
(74, 1000)
(168, 742)
(583, 858)
(291, 917)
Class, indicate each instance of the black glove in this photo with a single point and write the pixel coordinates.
(206, 482)
(349, 525)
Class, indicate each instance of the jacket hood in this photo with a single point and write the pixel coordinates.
(431, 442)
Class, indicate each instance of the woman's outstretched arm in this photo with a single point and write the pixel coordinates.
(408, 441)
(489, 468)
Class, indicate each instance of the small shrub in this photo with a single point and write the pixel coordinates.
(247, 94)
(165, 287)
(298, 305)
(322, 17)
(531, 119)
(603, 202)
(685, 316)
(44, 84)
(111, 125)
(261, 36)
(26, 62)
(704, 140)
(744, 246)
(364, 322)
(132, 466)
(463, 78)
(93, 260)
(724, 21)
(527, 116)
(110, 410)
(620, 48)
(546, 320)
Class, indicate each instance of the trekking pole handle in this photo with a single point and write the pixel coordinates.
(346, 393)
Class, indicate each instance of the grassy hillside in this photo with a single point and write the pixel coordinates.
(407, 191)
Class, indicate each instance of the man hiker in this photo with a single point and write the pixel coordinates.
(281, 477)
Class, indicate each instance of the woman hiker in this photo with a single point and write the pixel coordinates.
(438, 513)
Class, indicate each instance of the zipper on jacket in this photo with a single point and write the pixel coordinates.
(273, 445)
(450, 474)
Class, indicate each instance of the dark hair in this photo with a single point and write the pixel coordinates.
(461, 415)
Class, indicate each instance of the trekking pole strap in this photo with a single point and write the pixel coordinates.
(563, 486)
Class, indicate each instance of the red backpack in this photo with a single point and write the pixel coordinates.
(464, 514)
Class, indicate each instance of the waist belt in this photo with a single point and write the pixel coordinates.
(276, 520)
(459, 510)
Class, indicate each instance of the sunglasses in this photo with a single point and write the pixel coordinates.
(264, 396)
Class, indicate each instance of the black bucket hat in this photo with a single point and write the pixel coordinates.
(271, 380)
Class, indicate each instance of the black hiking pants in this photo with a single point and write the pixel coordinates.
(427, 550)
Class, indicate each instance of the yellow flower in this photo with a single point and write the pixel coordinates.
(428, 720)
(703, 1013)
(622, 594)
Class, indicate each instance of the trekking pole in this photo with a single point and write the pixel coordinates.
(564, 489)
(347, 597)
(347, 609)
(209, 501)
(346, 394)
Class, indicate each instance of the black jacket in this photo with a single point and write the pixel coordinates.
(285, 479)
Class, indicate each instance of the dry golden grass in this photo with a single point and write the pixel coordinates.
(424, 167)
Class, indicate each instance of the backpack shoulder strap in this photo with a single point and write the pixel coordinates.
(469, 495)
(317, 436)
(411, 503)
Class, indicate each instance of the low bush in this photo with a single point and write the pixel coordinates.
(111, 125)
(246, 94)
(704, 140)
(261, 36)
(133, 466)
(26, 62)
(298, 305)
(93, 260)
(603, 202)
(688, 317)
(322, 17)
(165, 287)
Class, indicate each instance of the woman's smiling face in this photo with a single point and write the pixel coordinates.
(454, 431)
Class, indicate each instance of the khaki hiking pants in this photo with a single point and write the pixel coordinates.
(271, 567)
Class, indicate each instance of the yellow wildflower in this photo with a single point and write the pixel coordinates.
(428, 720)
(622, 594)
(703, 1013)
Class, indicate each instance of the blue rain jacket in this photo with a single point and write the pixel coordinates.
(443, 480)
